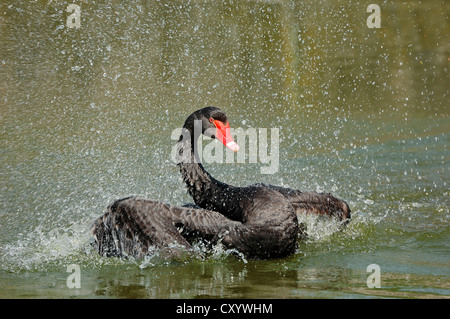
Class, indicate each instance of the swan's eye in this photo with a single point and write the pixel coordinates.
(211, 120)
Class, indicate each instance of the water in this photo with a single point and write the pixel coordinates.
(87, 116)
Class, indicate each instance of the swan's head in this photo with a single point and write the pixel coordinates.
(215, 125)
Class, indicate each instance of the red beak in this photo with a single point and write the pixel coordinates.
(224, 135)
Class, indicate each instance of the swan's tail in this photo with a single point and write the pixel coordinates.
(322, 204)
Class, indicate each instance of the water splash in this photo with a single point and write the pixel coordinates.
(41, 250)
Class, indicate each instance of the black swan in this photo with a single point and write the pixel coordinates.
(259, 221)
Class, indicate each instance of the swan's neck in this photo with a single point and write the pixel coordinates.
(206, 191)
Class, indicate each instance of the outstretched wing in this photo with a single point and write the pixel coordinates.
(132, 226)
(196, 222)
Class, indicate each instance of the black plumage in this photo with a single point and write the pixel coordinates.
(260, 221)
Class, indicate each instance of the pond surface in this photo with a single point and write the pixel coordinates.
(87, 116)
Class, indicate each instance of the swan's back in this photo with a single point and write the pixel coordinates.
(314, 203)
